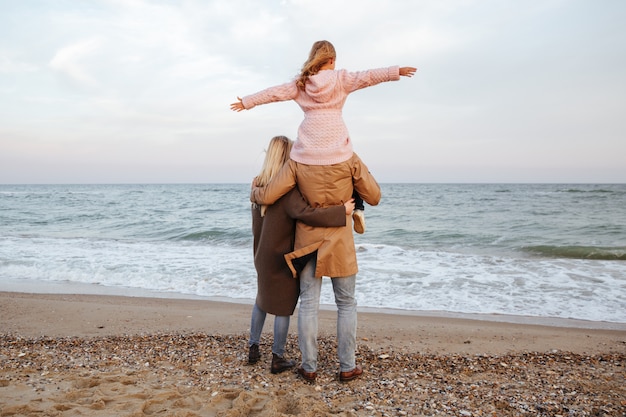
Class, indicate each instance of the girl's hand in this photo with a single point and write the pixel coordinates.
(237, 106)
(407, 71)
(349, 206)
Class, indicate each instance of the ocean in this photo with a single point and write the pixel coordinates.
(533, 250)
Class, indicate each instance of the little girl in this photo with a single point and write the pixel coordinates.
(321, 92)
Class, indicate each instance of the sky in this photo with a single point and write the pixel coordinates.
(138, 91)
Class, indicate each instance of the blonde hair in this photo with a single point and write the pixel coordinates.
(321, 53)
(276, 155)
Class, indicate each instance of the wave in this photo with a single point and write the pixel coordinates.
(231, 236)
(580, 252)
(597, 191)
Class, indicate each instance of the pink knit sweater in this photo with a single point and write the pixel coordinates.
(323, 137)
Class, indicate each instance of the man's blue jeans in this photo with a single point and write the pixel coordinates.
(281, 328)
(310, 288)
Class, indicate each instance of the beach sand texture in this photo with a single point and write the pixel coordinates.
(94, 355)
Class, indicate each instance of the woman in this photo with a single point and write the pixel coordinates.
(273, 229)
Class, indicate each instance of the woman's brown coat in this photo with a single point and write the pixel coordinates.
(323, 186)
(274, 237)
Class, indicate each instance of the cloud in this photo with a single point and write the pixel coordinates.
(8, 65)
(497, 82)
(70, 61)
(260, 26)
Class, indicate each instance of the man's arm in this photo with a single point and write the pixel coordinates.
(280, 185)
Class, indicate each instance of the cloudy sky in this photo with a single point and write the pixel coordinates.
(138, 91)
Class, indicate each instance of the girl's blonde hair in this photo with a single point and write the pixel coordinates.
(275, 157)
(321, 53)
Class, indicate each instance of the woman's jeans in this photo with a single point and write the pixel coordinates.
(310, 288)
(281, 328)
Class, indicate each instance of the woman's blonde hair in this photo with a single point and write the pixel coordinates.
(321, 53)
(275, 157)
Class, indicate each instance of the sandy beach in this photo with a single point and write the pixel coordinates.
(103, 355)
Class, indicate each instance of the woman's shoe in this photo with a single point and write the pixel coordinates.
(280, 364)
(253, 354)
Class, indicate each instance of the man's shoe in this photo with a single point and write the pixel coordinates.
(350, 375)
(253, 354)
(308, 376)
(280, 364)
(359, 221)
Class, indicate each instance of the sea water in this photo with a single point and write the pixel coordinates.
(539, 250)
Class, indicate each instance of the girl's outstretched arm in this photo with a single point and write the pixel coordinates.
(407, 71)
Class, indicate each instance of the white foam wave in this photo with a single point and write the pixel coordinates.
(389, 277)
